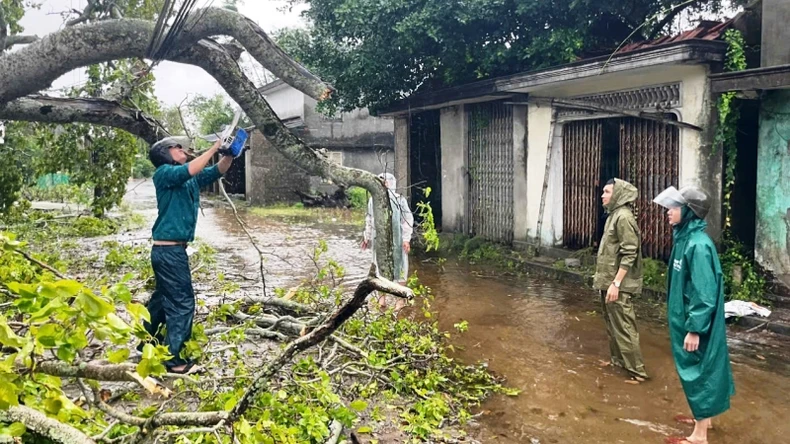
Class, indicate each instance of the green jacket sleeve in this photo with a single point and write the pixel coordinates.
(208, 176)
(701, 289)
(169, 176)
(629, 241)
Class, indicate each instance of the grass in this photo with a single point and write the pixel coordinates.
(298, 213)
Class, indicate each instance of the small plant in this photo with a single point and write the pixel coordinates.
(752, 285)
(654, 273)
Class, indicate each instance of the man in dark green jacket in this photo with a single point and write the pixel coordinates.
(618, 276)
(178, 186)
(695, 310)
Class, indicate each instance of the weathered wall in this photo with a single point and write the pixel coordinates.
(772, 243)
(271, 177)
(699, 164)
(520, 216)
(455, 191)
(775, 33)
(355, 128)
(539, 124)
(402, 155)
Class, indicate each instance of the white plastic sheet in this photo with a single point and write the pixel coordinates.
(743, 308)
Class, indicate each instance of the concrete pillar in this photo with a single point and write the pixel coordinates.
(402, 156)
(455, 192)
(520, 225)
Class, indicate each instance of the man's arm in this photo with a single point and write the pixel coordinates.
(628, 236)
(197, 165)
(224, 164)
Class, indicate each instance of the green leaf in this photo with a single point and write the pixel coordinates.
(144, 368)
(8, 395)
(365, 430)
(118, 356)
(359, 405)
(138, 311)
(149, 351)
(53, 405)
(16, 429)
(67, 353)
(7, 336)
(94, 306)
(117, 323)
(48, 335)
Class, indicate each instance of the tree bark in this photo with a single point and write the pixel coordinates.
(97, 111)
(13, 40)
(36, 66)
(44, 426)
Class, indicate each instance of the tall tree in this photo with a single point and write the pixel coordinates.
(378, 52)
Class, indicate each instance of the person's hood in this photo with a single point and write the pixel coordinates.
(623, 193)
(389, 181)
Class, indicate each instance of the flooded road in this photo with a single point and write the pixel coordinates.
(544, 337)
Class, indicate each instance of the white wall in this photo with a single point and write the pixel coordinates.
(286, 102)
(454, 145)
(694, 156)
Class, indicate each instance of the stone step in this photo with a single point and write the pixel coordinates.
(778, 301)
(778, 322)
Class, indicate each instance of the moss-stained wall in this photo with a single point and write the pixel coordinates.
(773, 183)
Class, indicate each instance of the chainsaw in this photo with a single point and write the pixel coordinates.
(233, 138)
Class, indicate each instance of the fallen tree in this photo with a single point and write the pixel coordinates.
(34, 67)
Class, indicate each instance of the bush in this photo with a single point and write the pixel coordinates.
(143, 168)
(358, 198)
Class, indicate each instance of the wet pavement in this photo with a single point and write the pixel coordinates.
(544, 337)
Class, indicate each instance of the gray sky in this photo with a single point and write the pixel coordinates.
(173, 81)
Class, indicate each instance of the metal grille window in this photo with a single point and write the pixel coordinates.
(490, 138)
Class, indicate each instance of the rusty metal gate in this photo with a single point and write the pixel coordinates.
(490, 207)
(649, 157)
(581, 157)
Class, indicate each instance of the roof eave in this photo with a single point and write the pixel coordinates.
(683, 52)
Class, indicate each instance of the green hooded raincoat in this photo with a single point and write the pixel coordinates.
(696, 305)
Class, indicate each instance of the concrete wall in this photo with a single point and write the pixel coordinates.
(357, 127)
(699, 164)
(402, 155)
(772, 243)
(453, 132)
(775, 33)
(272, 178)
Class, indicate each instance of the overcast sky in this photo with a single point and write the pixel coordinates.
(173, 80)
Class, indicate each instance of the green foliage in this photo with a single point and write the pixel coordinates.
(734, 255)
(358, 198)
(64, 193)
(19, 153)
(752, 285)
(654, 273)
(11, 12)
(378, 52)
(211, 114)
(427, 224)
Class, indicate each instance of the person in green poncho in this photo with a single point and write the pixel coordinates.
(695, 311)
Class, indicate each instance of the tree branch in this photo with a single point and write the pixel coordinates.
(34, 68)
(96, 111)
(319, 334)
(13, 40)
(668, 18)
(44, 426)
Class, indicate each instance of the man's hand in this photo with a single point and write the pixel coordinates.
(691, 344)
(365, 244)
(612, 294)
(407, 247)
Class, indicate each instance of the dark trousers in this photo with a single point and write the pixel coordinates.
(173, 301)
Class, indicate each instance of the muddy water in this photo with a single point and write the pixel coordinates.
(545, 337)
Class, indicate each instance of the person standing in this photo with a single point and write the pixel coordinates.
(695, 311)
(618, 277)
(177, 186)
(402, 229)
